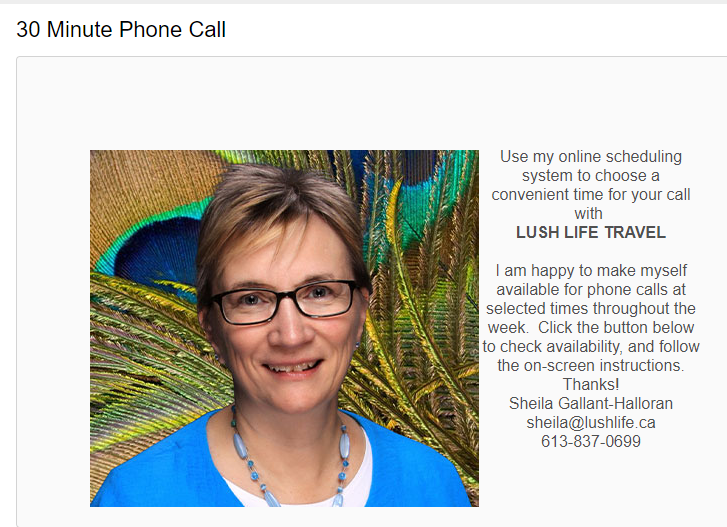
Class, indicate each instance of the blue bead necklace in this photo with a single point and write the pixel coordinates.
(344, 448)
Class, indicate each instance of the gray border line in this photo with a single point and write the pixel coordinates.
(18, 57)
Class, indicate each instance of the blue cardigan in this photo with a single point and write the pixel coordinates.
(178, 472)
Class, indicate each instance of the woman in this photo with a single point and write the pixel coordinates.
(282, 296)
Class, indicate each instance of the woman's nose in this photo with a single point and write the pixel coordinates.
(289, 327)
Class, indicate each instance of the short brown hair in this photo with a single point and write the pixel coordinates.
(257, 202)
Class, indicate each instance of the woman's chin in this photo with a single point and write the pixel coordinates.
(298, 392)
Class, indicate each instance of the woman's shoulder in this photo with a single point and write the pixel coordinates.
(409, 473)
(165, 474)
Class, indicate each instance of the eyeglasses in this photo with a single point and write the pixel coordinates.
(326, 298)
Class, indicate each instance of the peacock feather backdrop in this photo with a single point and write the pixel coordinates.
(416, 371)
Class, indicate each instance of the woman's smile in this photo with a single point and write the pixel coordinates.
(298, 367)
(294, 371)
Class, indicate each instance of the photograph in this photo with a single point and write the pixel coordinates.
(284, 328)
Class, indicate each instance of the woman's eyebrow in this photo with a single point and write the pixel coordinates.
(315, 278)
(252, 284)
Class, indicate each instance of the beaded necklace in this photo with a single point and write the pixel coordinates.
(344, 448)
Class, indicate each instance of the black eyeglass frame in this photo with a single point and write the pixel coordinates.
(285, 294)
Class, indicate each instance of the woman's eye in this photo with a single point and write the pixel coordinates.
(319, 292)
(250, 300)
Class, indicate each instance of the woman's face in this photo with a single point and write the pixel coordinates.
(292, 363)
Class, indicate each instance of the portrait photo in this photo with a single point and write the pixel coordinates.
(284, 328)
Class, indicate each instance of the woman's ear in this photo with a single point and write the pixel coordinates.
(205, 321)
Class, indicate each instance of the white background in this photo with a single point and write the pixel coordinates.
(67, 106)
